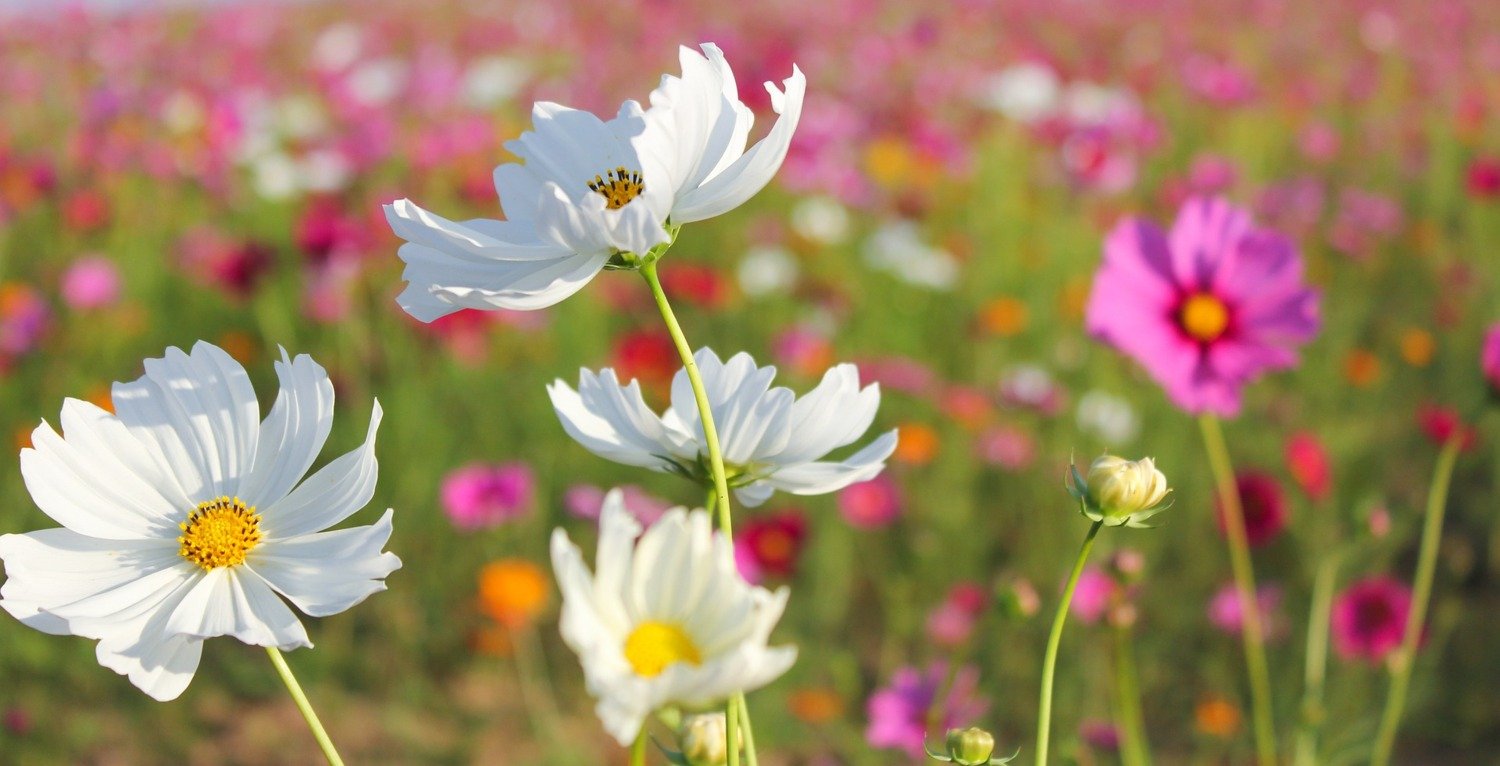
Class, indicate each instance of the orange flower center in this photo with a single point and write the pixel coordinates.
(220, 533)
(1204, 317)
(618, 187)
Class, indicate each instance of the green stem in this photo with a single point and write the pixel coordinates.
(1403, 660)
(1049, 664)
(1136, 751)
(305, 707)
(1251, 630)
(638, 750)
(750, 758)
(710, 431)
(1316, 667)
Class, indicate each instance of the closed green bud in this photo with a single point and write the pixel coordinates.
(970, 747)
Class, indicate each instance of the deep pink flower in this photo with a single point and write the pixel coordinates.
(1441, 423)
(1093, 595)
(1206, 308)
(1489, 358)
(91, 283)
(900, 713)
(952, 622)
(1100, 735)
(1369, 618)
(1308, 463)
(1484, 177)
(769, 545)
(1263, 504)
(585, 501)
(870, 504)
(1227, 613)
(481, 495)
(1007, 447)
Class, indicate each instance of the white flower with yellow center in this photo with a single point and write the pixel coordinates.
(770, 439)
(666, 621)
(185, 515)
(587, 190)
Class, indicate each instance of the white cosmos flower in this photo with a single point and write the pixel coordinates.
(666, 621)
(183, 518)
(770, 440)
(587, 189)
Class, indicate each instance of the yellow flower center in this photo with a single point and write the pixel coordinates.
(220, 533)
(652, 646)
(618, 187)
(1204, 317)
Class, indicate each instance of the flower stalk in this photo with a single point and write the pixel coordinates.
(305, 707)
(1135, 750)
(1404, 659)
(1316, 662)
(1251, 630)
(1054, 639)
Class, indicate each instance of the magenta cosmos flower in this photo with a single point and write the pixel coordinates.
(902, 714)
(1369, 618)
(1205, 308)
(480, 496)
(1489, 359)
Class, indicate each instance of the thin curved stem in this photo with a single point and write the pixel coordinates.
(1054, 639)
(638, 750)
(1136, 750)
(1404, 659)
(1251, 630)
(700, 395)
(1315, 670)
(308, 714)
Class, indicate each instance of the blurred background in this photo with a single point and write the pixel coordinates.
(215, 170)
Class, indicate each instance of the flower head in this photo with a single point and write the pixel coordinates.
(1263, 504)
(479, 496)
(899, 713)
(513, 592)
(1207, 307)
(1119, 491)
(770, 545)
(588, 191)
(666, 620)
(184, 516)
(1489, 359)
(770, 439)
(1369, 618)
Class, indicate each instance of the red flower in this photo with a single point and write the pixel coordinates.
(1441, 423)
(770, 545)
(646, 355)
(1308, 462)
(1264, 506)
(1484, 177)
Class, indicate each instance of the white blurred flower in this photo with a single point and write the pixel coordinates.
(300, 117)
(1089, 103)
(324, 170)
(664, 621)
(897, 248)
(821, 219)
(770, 439)
(765, 270)
(275, 176)
(1024, 92)
(337, 47)
(377, 82)
(1109, 416)
(185, 515)
(493, 80)
(182, 112)
(587, 190)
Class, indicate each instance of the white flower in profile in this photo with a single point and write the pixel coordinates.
(184, 515)
(588, 190)
(666, 621)
(770, 439)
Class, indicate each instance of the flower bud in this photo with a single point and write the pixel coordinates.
(1120, 492)
(970, 747)
(703, 739)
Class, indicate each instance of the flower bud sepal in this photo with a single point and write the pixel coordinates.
(970, 747)
(1119, 492)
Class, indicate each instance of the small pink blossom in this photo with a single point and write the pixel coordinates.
(91, 282)
(1369, 618)
(870, 504)
(585, 501)
(482, 495)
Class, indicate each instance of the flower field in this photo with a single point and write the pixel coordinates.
(1037, 340)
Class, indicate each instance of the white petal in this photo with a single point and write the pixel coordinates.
(228, 602)
(328, 572)
(818, 477)
(329, 496)
(754, 494)
(586, 226)
(610, 420)
(158, 663)
(696, 123)
(570, 146)
(618, 530)
(293, 434)
(53, 568)
(832, 415)
(737, 183)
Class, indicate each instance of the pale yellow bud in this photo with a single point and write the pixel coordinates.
(1119, 491)
(704, 739)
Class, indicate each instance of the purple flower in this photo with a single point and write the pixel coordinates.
(900, 713)
(480, 495)
(1205, 308)
(91, 283)
(1369, 618)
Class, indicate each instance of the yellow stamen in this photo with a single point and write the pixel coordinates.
(1204, 317)
(220, 533)
(653, 646)
(618, 187)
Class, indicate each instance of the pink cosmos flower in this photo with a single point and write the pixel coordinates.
(1093, 595)
(585, 501)
(1489, 358)
(1369, 618)
(769, 545)
(1007, 447)
(92, 282)
(1206, 308)
(480, 495)
(1227, 613)
(952, 622)
(870, 504)
(1263, 504)
(900, 713)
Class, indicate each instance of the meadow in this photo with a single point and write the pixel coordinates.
(174, 175)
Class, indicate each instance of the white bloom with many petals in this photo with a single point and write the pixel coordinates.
(770, 439)
(587, 190)
(185, 515)
(665, 621)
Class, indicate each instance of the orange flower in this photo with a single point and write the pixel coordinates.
(1362, 368)
(513, 592)
(889, 162)
(99, 396)
(815, 705)
(918, 444)
(1004, 317)
(1418, 347)
(1217, 717)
